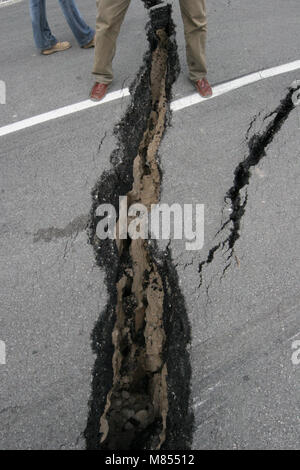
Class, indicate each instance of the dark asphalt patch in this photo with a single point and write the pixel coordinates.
(76, 226)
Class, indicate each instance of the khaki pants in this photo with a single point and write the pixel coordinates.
(110, 17)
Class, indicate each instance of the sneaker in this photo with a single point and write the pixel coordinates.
(98, 91)
(204, 88)
(89, 44)
(58, 47)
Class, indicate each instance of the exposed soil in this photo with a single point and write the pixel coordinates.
(141, 379)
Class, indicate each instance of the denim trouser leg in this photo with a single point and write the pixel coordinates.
(42, 35)
(82, 32)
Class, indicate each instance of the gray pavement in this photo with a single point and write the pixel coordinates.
(245, 389)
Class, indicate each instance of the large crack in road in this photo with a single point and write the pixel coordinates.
(141, 384)
(141, 380)
(257, 145)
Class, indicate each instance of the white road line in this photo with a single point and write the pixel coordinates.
(60, 112)
(5, 3)
(176, 105)
(235, 84)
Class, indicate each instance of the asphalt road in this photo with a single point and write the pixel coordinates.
(245, 387)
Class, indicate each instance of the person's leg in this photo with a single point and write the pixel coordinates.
(82, 32)
(194, 20)
(42, 35)
(109, 20)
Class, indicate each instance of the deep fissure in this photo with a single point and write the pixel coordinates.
(142, 373)
(137, 402)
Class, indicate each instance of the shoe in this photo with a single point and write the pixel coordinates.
(58, 47)
(89, 44)
(204, 88)
(98, 91)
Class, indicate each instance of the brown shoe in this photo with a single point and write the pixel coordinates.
(98, 91)
(89, 44)
(58, 47)
(204, 88)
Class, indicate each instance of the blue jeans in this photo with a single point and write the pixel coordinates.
(43, 37)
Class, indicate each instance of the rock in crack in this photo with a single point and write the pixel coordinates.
(142, 372)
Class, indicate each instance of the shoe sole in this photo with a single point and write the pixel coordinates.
(88, 47)
(98, 99)
(205, 96)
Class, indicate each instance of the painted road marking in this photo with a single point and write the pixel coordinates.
(223, 88)
(60, 112)
(5, 3)
(176, 105)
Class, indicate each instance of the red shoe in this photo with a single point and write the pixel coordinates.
(98, 91)
(204, 88)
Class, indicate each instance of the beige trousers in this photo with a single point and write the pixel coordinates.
(110, 17)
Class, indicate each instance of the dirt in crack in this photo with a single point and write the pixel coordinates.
(145, 402)
(138, 400)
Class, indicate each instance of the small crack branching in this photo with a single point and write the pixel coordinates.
(253, 121)
(257, 145)
(102, 141)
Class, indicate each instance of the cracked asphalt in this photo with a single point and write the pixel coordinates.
(245, 388)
